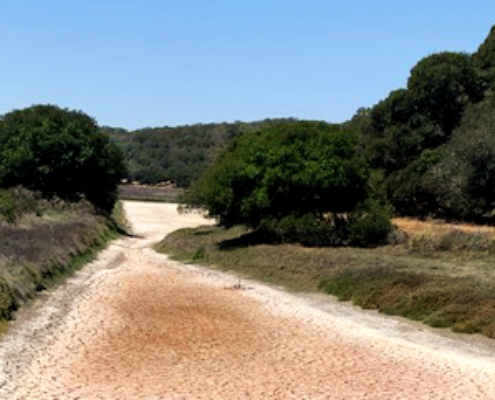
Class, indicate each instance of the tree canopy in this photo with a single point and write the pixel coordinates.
(484, 60)
(59, 153)
(463, 182)
(422, 138)
(176, 154)
(284, 177)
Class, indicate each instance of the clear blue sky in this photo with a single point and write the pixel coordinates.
(171, 62)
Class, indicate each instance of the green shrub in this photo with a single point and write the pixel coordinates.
(302, 182)
(16, 202)
(370, 224)
(7, 207)
(306, 230)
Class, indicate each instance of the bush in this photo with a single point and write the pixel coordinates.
(7, 207)
(306, 230)
(16, 202)
(463, 181)
(370, 224)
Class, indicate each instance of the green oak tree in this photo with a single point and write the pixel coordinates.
(304, 181)
(60, 153)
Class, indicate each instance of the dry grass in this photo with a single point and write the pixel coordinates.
(166, 194)
(38, 249)
(443, 275)
(435, 228)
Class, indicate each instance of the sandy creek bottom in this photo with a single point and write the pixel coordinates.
(135, 325)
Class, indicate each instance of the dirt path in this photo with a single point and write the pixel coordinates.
(135, 325)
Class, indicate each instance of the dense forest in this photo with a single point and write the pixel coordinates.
(430, 146)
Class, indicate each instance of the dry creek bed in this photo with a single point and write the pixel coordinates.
(136, 325)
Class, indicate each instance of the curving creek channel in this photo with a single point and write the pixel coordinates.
(136, 325)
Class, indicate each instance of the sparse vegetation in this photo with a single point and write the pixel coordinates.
(438, 273)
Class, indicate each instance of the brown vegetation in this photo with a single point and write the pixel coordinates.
(167, 194)
(36, 249)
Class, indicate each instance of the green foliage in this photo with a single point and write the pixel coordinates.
(444, 84)
(59, 153)
(421, 140)
(307, 230)
(179, 155)
(423, 116)
(300, 181)
(463, 183)
(7, 207)
(16, 202)
(406, 188)
(484, 60)
(398, 133)
(366, 226)
(370, 224)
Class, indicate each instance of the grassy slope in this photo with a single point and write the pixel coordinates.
(441, 275)
(37, 252)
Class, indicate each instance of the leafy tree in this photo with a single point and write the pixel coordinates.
(59, 153)
(397, 133)
(301, 181)
(463, 182)
(484, 60)
(424, 115)
(406, 190)
(444, 84)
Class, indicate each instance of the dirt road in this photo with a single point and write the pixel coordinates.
(135, 325)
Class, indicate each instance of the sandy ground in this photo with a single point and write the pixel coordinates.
(135, 325)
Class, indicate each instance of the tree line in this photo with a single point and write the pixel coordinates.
(431, 144)
(176, 154)
(426, 150)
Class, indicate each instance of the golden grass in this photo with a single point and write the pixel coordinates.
(435, 228)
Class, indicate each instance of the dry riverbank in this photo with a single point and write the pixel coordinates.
(135, 325)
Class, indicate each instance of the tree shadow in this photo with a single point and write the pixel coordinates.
(249, 239)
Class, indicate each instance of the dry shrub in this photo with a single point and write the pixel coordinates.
(36, 248)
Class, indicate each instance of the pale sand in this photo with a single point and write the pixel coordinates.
(135, 325)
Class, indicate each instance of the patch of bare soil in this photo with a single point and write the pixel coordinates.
(135, 325)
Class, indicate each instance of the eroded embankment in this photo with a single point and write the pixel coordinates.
(136, 325)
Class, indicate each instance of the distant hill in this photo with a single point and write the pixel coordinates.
(179, 154)
(430, 144)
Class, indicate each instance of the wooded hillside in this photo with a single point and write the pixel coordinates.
(430, 146)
